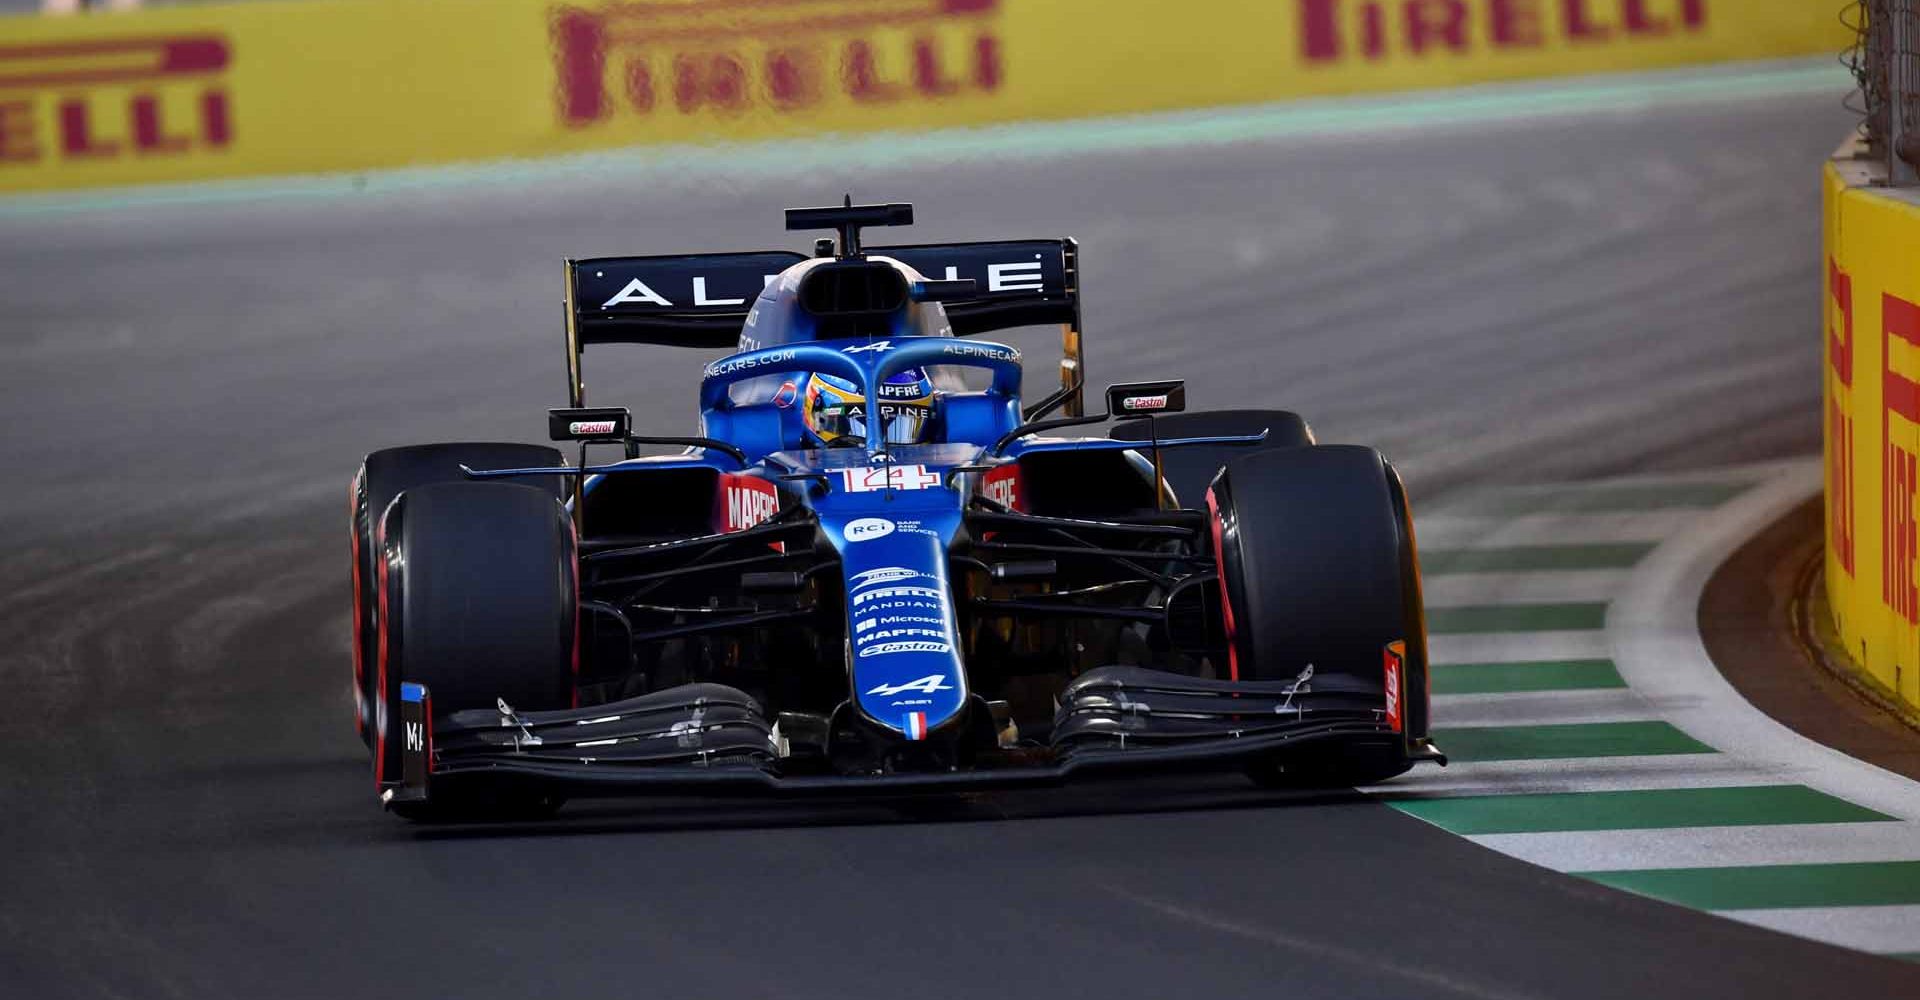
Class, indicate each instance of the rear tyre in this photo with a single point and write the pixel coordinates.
(1189, 470)
(478, 600)
(1317, 563)
(384, 475)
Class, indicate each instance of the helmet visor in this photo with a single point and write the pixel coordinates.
(899, 423)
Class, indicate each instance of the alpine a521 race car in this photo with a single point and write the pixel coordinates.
(873, 570)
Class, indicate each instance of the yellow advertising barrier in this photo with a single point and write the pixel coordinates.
(1872, 424)
(325, 85)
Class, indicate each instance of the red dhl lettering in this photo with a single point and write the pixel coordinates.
(179, 73)
(1332, 30)
(785, 56)
(1840, 490)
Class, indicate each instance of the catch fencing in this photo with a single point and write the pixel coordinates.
(1885, 60)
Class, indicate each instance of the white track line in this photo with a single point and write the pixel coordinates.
(1538, 708)
(1516, 647)
(1654, 631)
(1518, 588)
(1880, 929)
(1711, 847)
(1452, 528)
(1579, 774)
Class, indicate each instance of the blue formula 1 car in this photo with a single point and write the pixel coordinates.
(873, 570)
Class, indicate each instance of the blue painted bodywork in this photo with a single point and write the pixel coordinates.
(890, 511)
(892, 524)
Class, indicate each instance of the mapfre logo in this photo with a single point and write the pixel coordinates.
(654, 57)
(123, 98)
(745, 501)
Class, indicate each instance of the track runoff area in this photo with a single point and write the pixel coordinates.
(1590, 734)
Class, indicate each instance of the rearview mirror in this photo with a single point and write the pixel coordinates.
(1129, 399)
(591, 423)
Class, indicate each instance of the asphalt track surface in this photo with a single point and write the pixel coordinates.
(185, 392)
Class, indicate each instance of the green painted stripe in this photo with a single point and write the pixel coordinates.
(1533, 558)
(1608, 499)
(1537, 675)
(1765, 805)
(1587, 739)
(1515, 618)
(1873, 883)
(1910, 956)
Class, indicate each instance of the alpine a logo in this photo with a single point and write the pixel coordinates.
(877, 347)
(925, 685)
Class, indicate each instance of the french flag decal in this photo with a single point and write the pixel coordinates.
(916, 727)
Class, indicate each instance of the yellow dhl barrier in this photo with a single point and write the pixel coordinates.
(325, 85)
(1872, 424)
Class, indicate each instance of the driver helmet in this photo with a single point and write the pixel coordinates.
(836, 412)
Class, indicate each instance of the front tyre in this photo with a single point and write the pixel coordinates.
(1317, 564)
(478, 600)
(384, 475)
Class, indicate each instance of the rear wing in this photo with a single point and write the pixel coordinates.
(701, 300)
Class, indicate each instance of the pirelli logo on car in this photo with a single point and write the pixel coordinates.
(655, 57)
(137, 97)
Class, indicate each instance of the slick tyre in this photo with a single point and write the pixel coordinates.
(384, 475)
(1189, 470)
(1316, 559)
(478, 600)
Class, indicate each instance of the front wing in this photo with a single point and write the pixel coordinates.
(713, 739)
